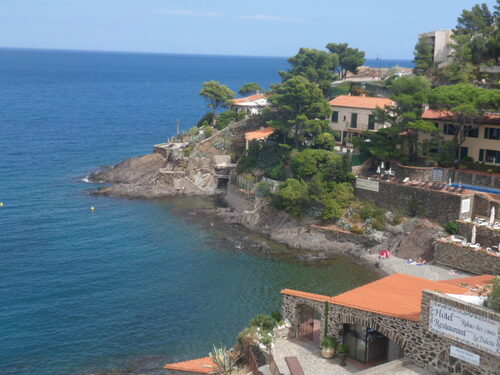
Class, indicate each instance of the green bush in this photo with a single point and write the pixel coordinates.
(262, 189)
(264, 322)
(293, 197)
(356, 229)
(277, 316)
(493, 300)
(187, 150)
(325, 141)
(329, 342)
(337, 200)
(207, 119)
(227, 117)
(451, 227)
(209, 131)
(415, 208)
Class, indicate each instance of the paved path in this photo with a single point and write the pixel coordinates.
(309, 357)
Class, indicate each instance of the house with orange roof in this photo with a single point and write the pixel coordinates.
(198, 366)
(252, 105)
(440, 326)
(258, 135)
(353, 115)
(482, 139)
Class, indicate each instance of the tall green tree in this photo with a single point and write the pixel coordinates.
(464, 105)
(250, 88)
(423, 56)
(315, 65)
(301, 110)
(217, 95)
(409, 94)
(349, 58)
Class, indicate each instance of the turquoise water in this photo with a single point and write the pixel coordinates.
(135, 279)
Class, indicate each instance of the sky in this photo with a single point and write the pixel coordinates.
(384, 28)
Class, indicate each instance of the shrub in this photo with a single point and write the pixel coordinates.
(227, 117)
(329, 342)
(248, 337)
(187, 150)
(325, 141)
(293, 197)
(205, 120)
(262, 189)
(415, 208)
(209, 131)
(277, 316)
(489, 170)
(356, 229)
(493, 301)
(451, 227)
(264, 322)
(194, 131)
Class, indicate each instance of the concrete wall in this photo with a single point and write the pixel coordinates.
(436, 205)
(463, 258)
(486, 236)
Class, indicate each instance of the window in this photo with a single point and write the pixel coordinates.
(449, 129)
(371, 122)
(472, 132)
(354, 120)
(335, 116)
(464, 151)
(492, 133)
(489, 156)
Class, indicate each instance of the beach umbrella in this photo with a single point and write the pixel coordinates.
(492, 217)
(382, 165)
(378, 170)
(449, 181)
(473, 236)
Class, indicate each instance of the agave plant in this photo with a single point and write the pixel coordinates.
(224, 361)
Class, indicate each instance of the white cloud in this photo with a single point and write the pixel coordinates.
(265, 17)
(187, 12)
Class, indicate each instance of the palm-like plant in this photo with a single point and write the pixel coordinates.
(224, 361)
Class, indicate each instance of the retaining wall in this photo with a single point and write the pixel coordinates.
(486, 236)
(463, 258)
(239, 199)
(436, 205)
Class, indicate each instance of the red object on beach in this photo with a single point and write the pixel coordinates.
(384, 253)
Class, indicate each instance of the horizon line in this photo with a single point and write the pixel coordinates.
(167, 53)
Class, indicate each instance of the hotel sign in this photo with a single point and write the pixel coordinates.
(462, 326)
(362, 183)
(464, 355)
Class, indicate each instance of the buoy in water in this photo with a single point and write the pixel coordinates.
(92, 208)
(1, 204)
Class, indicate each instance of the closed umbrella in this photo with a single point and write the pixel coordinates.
(382, 165)
(492, 217)
(473, 236)
(378, 170)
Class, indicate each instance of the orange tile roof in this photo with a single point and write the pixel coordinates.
(200, 365)
(397, 295)
(310, 296)
(259, 134)
(248, 99)
(487, 118)
(366, 102)
(470, 282)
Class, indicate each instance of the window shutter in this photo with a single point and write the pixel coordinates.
(481, 155)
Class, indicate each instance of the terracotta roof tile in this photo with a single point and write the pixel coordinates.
(488, 118)
(200, 365)
(365, 102)
(470, 282)
(259, 134)
(248, 99)
(310, 296)
(397, 295)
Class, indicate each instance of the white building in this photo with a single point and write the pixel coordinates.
(253, 104)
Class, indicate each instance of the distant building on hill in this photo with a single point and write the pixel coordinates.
(482, 141)
(353, 115)
(440, 41)
(252, 105)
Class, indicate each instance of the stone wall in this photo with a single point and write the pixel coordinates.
(476, 178)
(240, 200)
(420, 173)
(463, 258)
(486, 236)
(291, 310)
(489, 363)
(483, 204)
(437, 205)
(425, 348)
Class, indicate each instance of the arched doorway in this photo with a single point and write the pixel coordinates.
(309, 324)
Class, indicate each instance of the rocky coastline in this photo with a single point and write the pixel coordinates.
(156, 176)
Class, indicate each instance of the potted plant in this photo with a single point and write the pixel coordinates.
(343, 353)
(328, 345)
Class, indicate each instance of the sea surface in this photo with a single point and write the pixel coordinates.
(134, 280)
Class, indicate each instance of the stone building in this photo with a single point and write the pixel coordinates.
(436, 324)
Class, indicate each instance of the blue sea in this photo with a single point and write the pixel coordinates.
(135, 283)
